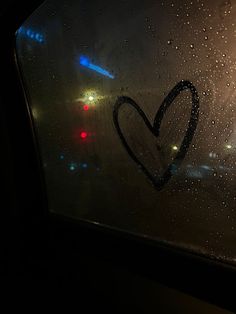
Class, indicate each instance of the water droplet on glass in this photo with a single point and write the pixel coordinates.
(192, 46)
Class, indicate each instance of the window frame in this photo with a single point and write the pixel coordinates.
(33, 236)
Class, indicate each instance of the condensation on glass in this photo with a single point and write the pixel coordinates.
(97, 74)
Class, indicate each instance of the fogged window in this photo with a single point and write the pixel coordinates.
(134, 108)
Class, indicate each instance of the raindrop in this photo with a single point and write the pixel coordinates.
(169, 42)
(213, 122)
(206, 37)
(192, 46)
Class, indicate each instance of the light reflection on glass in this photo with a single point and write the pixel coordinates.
(84, 61)
(29, 33)
(73, 166)
(175, 147)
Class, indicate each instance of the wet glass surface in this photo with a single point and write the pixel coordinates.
(134, 107)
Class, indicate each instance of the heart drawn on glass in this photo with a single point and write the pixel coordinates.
(160, 181)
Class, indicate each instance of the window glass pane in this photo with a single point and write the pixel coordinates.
(134, 108)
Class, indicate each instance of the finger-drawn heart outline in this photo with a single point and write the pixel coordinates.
(161, 181)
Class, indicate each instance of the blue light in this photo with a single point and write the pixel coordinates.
(62, 157)
(29, 33)
(84, 61)
(100, 70)
(39, 37)
(20, 30)
(84, 165)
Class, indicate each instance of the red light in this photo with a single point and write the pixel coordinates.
(86, 107)
(83, 135)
